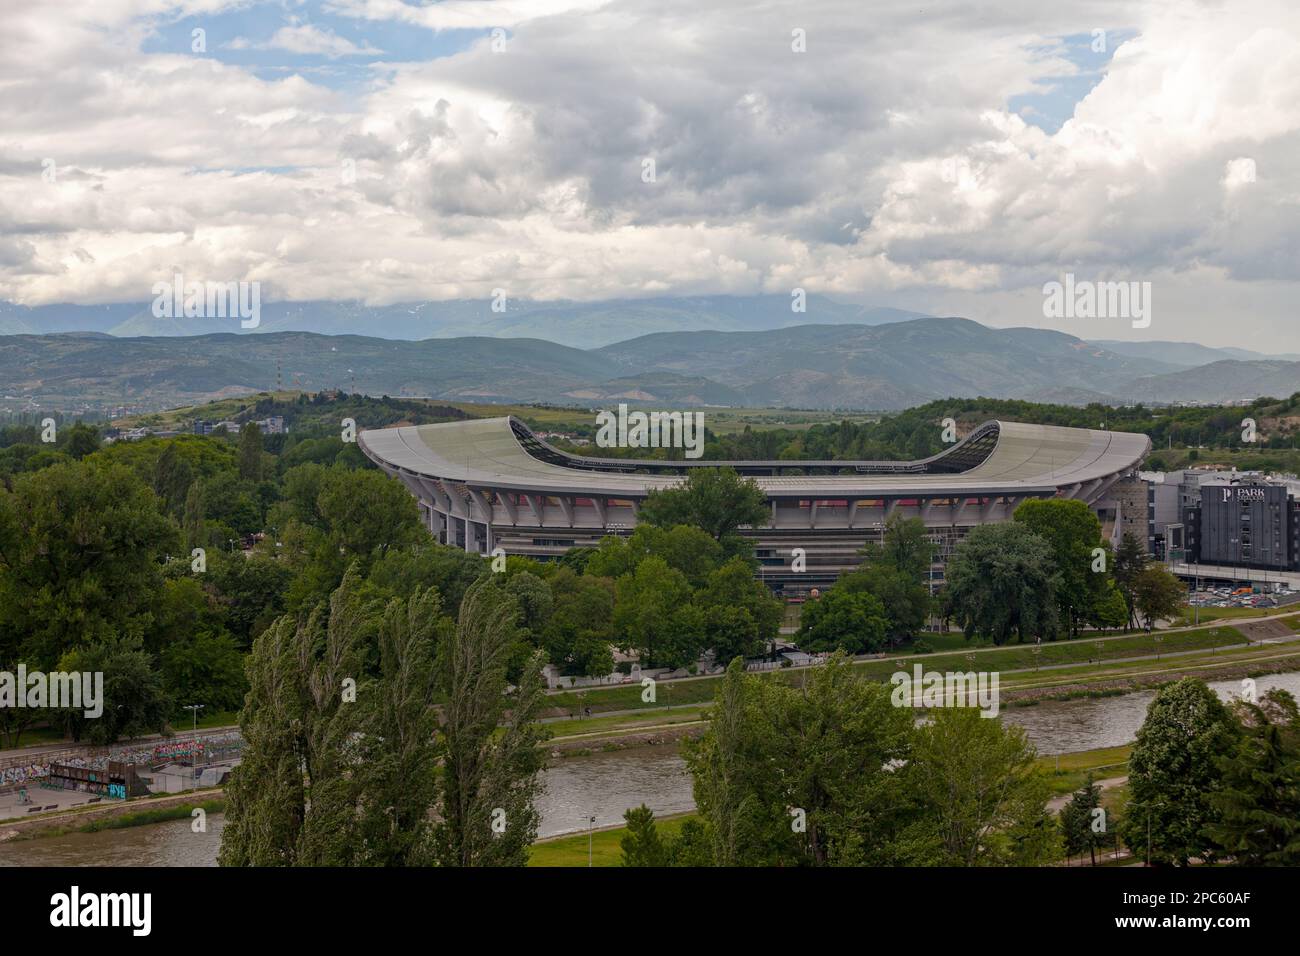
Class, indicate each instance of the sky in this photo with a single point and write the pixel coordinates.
(950, 158)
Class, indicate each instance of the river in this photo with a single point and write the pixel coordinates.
(604, 785)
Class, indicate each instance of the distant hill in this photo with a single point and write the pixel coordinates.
(164, 372)
(825, 366)
(1184, 354)
(887, 366)
(1225, 381)
(577, 324)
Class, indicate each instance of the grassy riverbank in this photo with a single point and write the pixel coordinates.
(154, 815)
(93, 819)
(1082, 660)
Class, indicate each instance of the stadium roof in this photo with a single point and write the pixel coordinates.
(997, 457)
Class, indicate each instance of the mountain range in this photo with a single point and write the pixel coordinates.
(577, 324)
(885, 366)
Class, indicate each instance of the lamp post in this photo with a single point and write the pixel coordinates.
(194, 747)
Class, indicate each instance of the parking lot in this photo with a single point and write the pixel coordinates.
(1243, 597)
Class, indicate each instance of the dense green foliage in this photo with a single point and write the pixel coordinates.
(348, 762)
(1173, 773)
(830, 773)
(1258, 801)
(163, 560)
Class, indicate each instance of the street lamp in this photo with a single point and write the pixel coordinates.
(194, 747)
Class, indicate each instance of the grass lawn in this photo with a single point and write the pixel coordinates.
(32, 736)
(1070, 771)
(1170, 669)
(952, 641)
(561, 729)
(628, 696)
(1209, 614)
(218, 718)
(1080, 650)
(605, 850)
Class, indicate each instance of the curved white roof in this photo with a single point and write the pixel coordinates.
(488, 453)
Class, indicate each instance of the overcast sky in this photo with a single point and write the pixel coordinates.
(949, 158)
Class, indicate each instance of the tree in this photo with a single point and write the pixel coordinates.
(401, 746)
(1001, 582)
(904, 547)
(799, 776)
(1072, 531)
(654, 616)
(192, 517)
(717, 762)
(1173, 773)
(490, 777)
(423, 564)
(1111, 610)
(718, 500)
(1157, 594)
(332, 778)
(266, 796)
(172, 477)
(742, 616)
(80, 440)
(533, 596)
(1076, 820)
(366, 511)
(978, 797)
(1258, 805)
(293, 800)
(580, 630)
(250, 591)
(641, 844)
(843, 620)
(204, 667)
(1130, 560)
(135, 701)
(905, 601)
(250, 452)
(683, 547)
(81, 550)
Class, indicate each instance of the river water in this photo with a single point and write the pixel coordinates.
(604, 785)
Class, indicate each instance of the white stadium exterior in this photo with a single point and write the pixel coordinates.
(491, 483)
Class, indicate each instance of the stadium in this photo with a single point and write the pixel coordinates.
(491, 483)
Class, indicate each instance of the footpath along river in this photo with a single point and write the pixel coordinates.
(603, 785)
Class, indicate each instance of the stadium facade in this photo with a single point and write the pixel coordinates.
(491, 483)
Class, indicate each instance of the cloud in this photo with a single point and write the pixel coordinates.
(460, 14)
(307, 40)
(885, 163)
